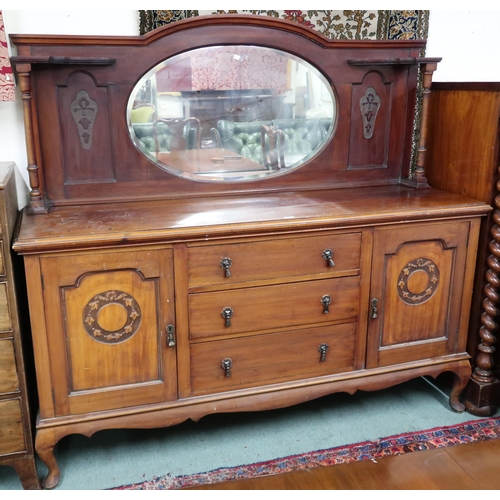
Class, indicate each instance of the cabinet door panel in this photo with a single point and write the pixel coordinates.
(128, 354)
(417, 279)
(106, 317)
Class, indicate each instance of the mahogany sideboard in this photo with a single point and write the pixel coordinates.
(16, 432)
(168, 280)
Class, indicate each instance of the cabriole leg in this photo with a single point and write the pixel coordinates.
(460, 380)
(44, 444)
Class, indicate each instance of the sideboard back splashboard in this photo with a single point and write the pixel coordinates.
(224, 217)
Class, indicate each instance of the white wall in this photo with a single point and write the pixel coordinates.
(466, 40)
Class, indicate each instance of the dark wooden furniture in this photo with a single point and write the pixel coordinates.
(463, 158)
(159, 298)
(16, 439)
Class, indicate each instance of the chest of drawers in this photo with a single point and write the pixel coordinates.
(16, 442)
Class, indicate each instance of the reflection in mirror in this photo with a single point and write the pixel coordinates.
(231, 113)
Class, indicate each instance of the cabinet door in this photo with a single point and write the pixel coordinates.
(418, 288)
(106, 316)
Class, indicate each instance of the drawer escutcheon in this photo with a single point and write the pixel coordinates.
(326, 300)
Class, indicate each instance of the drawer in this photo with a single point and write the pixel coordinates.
(11, 427)
(5, 321)
(273, 306)
(2, 266)
(8, 373)
(272, 358)
(280, 258)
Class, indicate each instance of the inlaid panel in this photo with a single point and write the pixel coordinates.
(108, 314)
(109, 342)
(85, 129)
(370, 122)
(417, 286)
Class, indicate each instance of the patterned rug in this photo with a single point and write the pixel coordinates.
(440, 437)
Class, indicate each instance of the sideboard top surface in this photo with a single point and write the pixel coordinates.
(230, 216)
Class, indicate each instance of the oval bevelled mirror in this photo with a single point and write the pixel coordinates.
(231, 113)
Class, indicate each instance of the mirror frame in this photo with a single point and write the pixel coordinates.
(270, 131)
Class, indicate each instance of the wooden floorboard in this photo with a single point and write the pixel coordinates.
(474, 466)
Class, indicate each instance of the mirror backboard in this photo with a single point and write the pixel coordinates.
(231, 113)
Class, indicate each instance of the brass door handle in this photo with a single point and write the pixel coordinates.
(374, 312)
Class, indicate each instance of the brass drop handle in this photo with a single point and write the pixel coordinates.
(374, 313)
(326, 300)
(322, 350)
(227, 314)
(226, 365)
(225, 264)
(328, 256)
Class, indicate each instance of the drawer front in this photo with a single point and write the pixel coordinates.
(11, 427)
(272, 358)
(8, 373)
(5, 321)
(271, 307)
(2, 266)
(273, 259)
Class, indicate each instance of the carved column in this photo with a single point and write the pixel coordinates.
(481, 394)
(36, 204)
(427, 70)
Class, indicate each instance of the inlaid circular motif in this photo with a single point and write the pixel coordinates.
(111, 317)
(418, 281)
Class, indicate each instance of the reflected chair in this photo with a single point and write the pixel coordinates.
(142, 114)
(184, 133)
(272, 140)
(242, 137)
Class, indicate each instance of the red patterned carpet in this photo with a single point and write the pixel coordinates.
(441, 437)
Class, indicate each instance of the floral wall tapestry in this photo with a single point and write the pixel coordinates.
(7, 92)
(339, 24)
